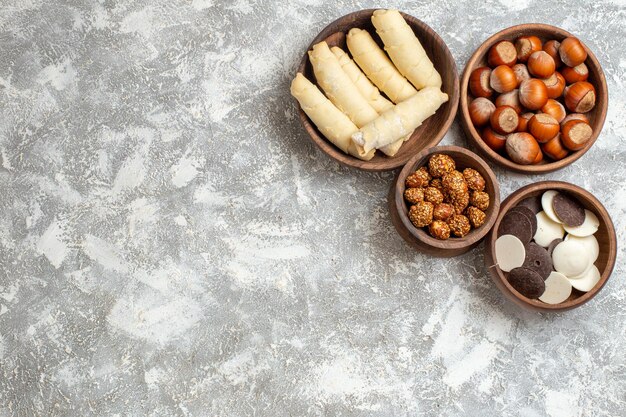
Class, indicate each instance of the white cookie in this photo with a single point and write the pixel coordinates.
(510, 252)
(570, 258)
(587, 280)
(546, 202)
(589, 226)
(558, 289)
(589, 242)
(547, 230)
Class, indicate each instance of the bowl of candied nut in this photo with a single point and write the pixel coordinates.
(444, 201)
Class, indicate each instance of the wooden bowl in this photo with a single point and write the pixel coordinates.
(430, 132)
(545, 33)
(419, 238)
(605, 235)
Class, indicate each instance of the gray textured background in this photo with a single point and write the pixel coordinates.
(172, 244)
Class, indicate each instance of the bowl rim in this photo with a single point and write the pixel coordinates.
(474, 135)
(510, 202)
(458, 242)
(389, 163)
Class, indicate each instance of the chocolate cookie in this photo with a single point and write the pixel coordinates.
(527, 282)
(552, 245)
(538, 259)
(516, 224)
(529, 215)
(568, 210)
(533, 203)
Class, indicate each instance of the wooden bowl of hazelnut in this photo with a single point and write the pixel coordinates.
(533, 98)
(444, 201)
(542, 278)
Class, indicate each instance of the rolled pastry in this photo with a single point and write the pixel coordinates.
(369, 92)
(365, 86)
(338, 87)
(405, 50)
(400, 120)
(330, 121)
(377, 66)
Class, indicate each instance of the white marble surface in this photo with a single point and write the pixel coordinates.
(172, 244)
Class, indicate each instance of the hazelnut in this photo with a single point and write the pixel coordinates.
(433, 195)
(480, 200)
(418, 179)
(421, 214)
(474, 180)
(443, 211)
(459, 225)
(414, 195)
(439, 230)
(476, 216)
(439, 165)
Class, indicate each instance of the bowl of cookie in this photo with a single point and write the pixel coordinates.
(375, 87)
(552, 247)
(444, 201)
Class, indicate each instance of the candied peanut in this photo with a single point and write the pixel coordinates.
(414, 195)
(439, 230)
(480, 200)
(421, 214)
(474, 180)
(440, 164)
(459, 225)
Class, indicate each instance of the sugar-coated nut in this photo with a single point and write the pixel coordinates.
(554, 109)
(502, 53)
(522, 148)
(494, 140)
(521, 73)
(572, 52)
(533, 94)
(575, 74)
(433, 195)
(541, 65)
(580, 97)
(502, 79)
(476, 216)
(525, 46)
(460, 201)
(436, 183)
(454, 184)
(576, 134)
(459, 225)
(574, 116)
(510, 99)
(440, 164)
(479, 82)
(480, 200)
(421, 214)
(504, 120)
(474, 180)
(522, 126)
(552, 48)
(554, 149)
(419, 178)
(543, 127)
(443, 211)
(414, 195)
(439, 230)
(555, 85)
(480, 110)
